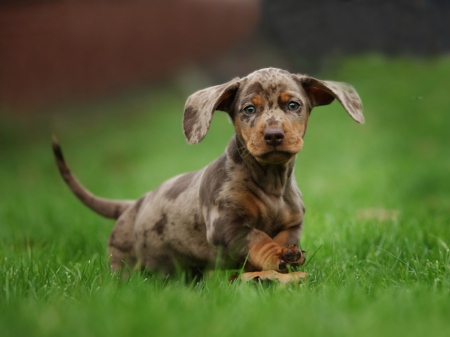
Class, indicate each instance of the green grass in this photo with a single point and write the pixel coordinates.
(377, 227)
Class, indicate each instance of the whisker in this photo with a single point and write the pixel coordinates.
(243, 151)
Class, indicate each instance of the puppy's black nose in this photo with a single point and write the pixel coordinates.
(274, 136)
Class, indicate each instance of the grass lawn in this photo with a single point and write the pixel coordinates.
(377, 226)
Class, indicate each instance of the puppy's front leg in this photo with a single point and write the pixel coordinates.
(265, 253)
(290, 256)
(242, 241)
(280, 253)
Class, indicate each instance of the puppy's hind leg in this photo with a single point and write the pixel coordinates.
(121, 246)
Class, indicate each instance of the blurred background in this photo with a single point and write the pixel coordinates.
(59, 52)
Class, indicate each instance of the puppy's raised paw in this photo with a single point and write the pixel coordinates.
(291, 257)
(291, 253)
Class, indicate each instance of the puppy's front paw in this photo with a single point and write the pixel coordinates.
(291, 257)
(291, 253)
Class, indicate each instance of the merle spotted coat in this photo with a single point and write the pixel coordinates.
(245, 205)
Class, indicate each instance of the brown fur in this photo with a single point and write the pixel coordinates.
(243, 206)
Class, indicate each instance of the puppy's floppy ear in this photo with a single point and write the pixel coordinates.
(200, 107)
(324, 92)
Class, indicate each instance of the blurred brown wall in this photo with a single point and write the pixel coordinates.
(59, 51)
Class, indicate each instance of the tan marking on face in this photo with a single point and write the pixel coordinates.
(257, 100)
(285, 97)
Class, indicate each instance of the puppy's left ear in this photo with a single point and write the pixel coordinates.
(324, 92)
(200, 107)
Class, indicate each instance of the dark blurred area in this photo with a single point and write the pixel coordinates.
(56, 52)
(330, 27)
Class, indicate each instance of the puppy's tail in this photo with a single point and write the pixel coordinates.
(108, 208)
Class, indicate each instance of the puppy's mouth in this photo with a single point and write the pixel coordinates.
(276, 157)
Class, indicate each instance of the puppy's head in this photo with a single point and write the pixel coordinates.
(269, 109)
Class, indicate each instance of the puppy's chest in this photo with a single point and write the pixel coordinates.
(279, 215)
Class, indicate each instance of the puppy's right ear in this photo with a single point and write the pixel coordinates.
(201, 105)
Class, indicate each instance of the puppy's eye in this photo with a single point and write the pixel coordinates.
(292, 106)
(250, 110)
